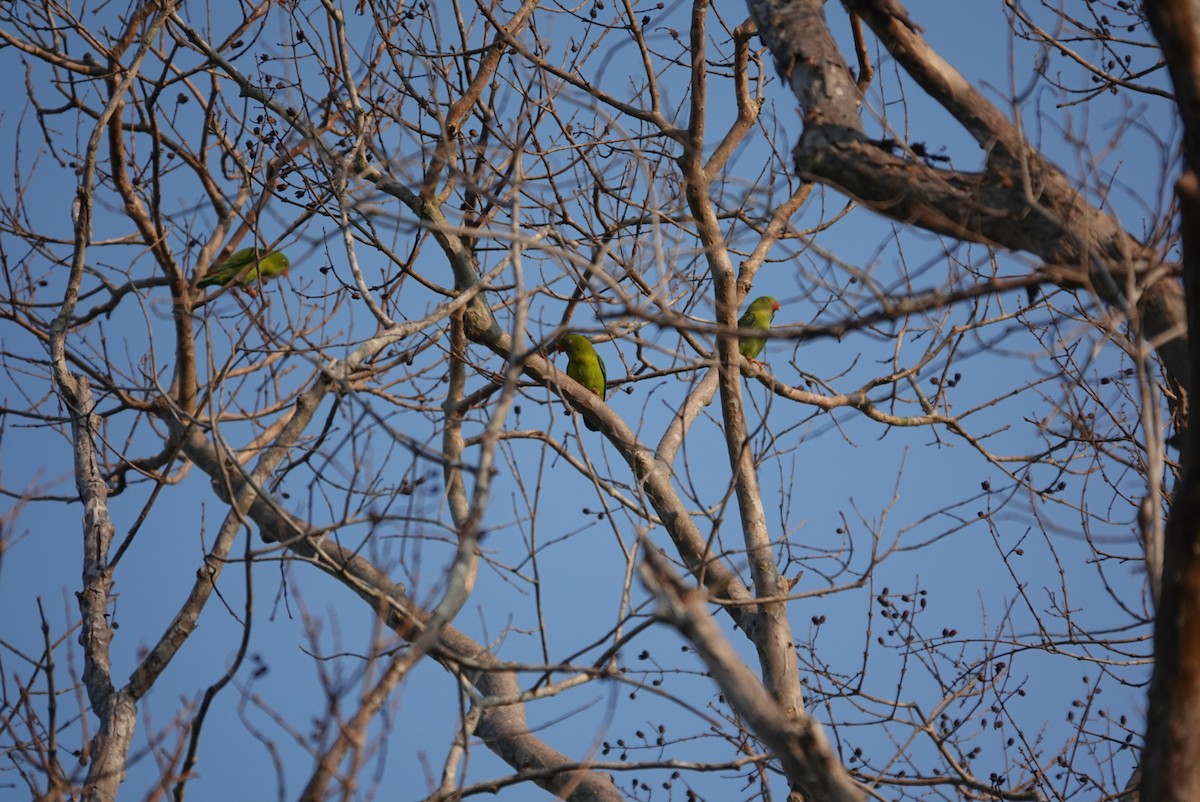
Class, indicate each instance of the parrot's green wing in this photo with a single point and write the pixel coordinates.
(225, 272)
(238, 260)
(758, 316)
(273, 265)
(246, 268)
(586, 367)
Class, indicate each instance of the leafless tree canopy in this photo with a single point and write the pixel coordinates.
(344, 534)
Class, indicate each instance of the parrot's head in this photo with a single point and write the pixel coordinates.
(274, 264)
(573, 345)
(764, 303)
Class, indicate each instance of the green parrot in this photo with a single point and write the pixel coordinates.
(585, 366)
(247, 270)
(758, 315)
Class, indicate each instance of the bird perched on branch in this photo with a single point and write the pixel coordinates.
(758, 315)
(585, 366)
(247, 270)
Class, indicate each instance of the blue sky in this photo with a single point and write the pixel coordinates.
(833, 483)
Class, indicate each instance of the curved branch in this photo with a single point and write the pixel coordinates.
(796, 738)
(1020, 201)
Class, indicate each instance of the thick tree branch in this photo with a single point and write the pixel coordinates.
(1020, 201)
(796, 739)
(116, 710)
(502, 728)
(1172, 749)
(767, 626)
